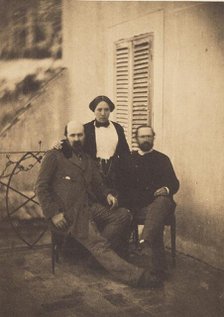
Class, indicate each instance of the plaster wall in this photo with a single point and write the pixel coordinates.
(187, 103)
(193, 130)
(44, 120)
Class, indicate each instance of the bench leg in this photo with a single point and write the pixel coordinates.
(135, 236)
(173, 241)
(54, 252)
(53, 258)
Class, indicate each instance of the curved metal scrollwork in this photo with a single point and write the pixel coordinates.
(19, 167)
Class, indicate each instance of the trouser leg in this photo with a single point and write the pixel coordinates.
(155, 218)
(114, 225)
(101, 250)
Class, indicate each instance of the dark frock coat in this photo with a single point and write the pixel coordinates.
(143, 175)
(69, 185)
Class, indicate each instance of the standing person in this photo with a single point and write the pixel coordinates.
(67, 187)
(105, 140)
(148, 188)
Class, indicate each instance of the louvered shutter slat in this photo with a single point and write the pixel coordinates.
(141, 91)
(122, 67)
(133, 66)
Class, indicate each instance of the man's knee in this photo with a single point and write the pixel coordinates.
(164, 202)
(124, 215)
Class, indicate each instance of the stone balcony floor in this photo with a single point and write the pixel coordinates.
(28, 288)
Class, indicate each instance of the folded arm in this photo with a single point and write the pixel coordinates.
(169, 183)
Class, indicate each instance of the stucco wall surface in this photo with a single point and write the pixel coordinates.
(44, 119)
(188, 97)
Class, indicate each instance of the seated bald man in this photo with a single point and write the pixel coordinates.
(148, 185)
(68, 187)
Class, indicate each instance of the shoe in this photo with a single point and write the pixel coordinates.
(148, 280)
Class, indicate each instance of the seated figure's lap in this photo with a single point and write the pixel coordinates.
(160, 205)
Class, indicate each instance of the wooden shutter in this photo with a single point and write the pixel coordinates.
(142, 73)
(123, 79)
(133, 84)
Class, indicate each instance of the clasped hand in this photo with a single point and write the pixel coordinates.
(162, 191)
(112, 201)
(59, 221)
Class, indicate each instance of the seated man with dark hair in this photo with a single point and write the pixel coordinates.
(67, 187)
(148, 185)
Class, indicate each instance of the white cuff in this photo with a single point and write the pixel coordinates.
(168, 191)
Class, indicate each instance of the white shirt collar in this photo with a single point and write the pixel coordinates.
(140, 152)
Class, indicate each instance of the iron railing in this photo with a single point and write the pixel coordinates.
(18, 163)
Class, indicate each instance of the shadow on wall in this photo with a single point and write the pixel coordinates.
(199, 231)
(16, 92)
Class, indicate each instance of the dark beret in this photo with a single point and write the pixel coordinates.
(93, 104)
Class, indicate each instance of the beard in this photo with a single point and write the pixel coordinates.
(77, 147)
(146, 146)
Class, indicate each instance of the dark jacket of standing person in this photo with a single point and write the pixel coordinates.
(122, 149)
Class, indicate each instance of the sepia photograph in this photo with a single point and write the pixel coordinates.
(111, 158)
